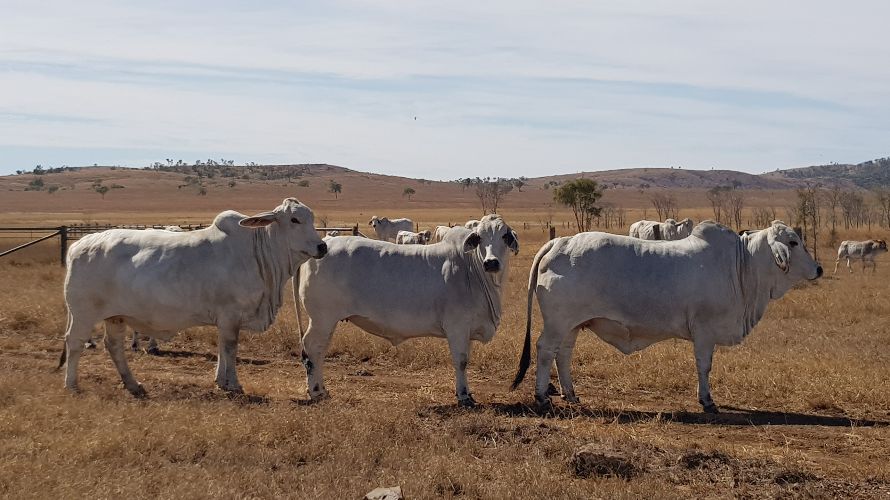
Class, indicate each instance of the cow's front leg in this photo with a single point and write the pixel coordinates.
(704, 353)
(459, 345)
(226, 376)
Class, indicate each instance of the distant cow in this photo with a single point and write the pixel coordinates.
(440, 233)
(412, 238)
(388, 230)
(668, 230)
(230, 274)
(866, 251)
(472, 224)
(450, 290)
(711, 288)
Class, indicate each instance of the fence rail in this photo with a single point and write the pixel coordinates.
(77, 231)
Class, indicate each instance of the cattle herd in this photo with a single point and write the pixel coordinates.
(703, 283)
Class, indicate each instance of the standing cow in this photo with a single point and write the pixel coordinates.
(230, 275)
(668, 230)
(398, 292)
(388, 230)
(440, 233)
(412, 238)
(866, 251)
(711, 289)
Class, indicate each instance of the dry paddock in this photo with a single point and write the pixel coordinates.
(806, 406)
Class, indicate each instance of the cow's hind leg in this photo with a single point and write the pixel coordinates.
(226, 374)
(564, 367)
(153, 347)
(459, 345)
(115, 332)
(79, 331)
(704, 354)
(551, 340)
(315, 345)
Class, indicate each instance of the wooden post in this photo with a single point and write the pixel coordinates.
(355, 230)
(63, 244)
(552, 232)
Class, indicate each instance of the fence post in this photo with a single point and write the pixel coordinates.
(355, 230)
(63, 244)
(552, 232)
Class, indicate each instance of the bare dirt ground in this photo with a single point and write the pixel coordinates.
(806, 400)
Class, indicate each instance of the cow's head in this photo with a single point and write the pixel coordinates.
(790, 255)
(296, 225)
(425, 237)
(684, 227)
(882, 245)
(374, 221)
(495, 241)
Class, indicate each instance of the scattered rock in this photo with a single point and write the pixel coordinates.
(699, 460)
(385, 493)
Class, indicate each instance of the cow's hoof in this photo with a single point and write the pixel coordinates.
(138, 392)
(318, 398)
(154, 351)
(710, 408)
(543, 404)
(467, 402)
(572, 399)
(552, 390)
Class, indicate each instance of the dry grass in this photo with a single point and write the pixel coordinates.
(807, 398)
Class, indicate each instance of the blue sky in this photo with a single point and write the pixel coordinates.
(497, 88)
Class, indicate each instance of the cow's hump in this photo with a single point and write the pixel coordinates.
(227, 221)
(713, 232)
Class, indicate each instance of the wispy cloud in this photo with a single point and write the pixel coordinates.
(442, 91)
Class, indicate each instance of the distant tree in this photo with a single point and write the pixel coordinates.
(102, 190)
(335, 187)
(38, 170)
(36, 184)
(518, 184)
(232, 183)
(809, 214)
(665, 205)
(717, 198)
(52, 189)
(409, 192)
(581, 195)
(303, 184)
(202, 191)
(491, 193)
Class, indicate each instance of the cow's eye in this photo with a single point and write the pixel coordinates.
(294, 220)
(792, 243)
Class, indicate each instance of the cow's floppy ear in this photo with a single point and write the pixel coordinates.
(512, 241)
(472, 242)
(259, 220)
(781, 253)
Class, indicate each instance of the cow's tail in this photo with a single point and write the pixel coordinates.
(64, 356)
(525, 359)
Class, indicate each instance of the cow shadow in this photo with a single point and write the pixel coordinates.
(210, 357)
(729, 415)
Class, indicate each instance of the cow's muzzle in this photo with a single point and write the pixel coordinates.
(322, 250)
(491, 265)
(818, 272)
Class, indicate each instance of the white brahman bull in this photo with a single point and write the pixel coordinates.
(866, 251)
(412, 238)
(440, 233)
(669, 230)
(711, 288)
(388, 230)
(450, 290)
(230, 274)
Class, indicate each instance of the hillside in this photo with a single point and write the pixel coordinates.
(671, 178)
(868, 175)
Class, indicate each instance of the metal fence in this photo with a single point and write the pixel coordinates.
(77, 231)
